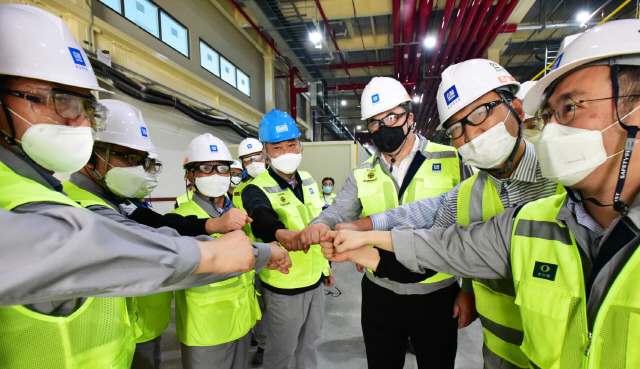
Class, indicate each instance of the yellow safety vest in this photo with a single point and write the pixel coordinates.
(219, 312)
(307, 268)
(550, 290)
(184, 197)
(478, 200)
(237, 203)
(97, 335)
(153, 312)
(439, 173)
(333, 196)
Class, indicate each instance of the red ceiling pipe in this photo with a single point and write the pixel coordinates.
(396, 36)
(453, 34)
(471, 16)
(448, 10)
(333, 38)
(491, 24)
(509, 28)
(362, 65)
(360, 86)
(262, 35)
(408, 24)
(497, 28)
(424, 12)
(477, 22)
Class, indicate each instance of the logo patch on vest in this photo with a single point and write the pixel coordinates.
(311, 191)
(436, 168)
(283, 199)
(371, 176)
(545, 271)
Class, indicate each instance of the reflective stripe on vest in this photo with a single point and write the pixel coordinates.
(439, 173)
(219, 312)
(32, 340)
(152, 312)
(307, 268)
(478, 201)
(237, 203)
(547, 267)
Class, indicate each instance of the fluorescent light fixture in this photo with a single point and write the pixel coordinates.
(583, 16)
(430, 42)
(343, 102)
(315, 37)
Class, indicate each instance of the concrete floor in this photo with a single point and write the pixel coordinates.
(341, 344)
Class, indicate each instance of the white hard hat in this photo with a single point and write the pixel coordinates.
(236, 164)
(36, 44)
(249, 146)
(125, 127)
(465, 82)
(382, 94)
(620, 39)
(207, 147)
(524, 89)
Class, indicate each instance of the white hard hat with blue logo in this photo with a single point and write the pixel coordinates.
(249, 146)
(207, 147)
(382, 94)
(125, 127)
(465, 82)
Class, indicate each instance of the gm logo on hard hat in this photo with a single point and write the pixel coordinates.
(451, 95)
(375, 99)
(213, 148)
(143, 131)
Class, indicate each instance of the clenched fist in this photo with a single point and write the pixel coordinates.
(233, 220)
(229, 253)
(279, 259)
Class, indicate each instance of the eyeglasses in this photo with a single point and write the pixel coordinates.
(236, 175)
(134, 159)
(327, 184)
(475, 118)
(389, 120)
(565, 111)
(253, 158)
(210, 168)
(67, 104)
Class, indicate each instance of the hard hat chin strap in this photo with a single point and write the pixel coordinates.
(11, 138)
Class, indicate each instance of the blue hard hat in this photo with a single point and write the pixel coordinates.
(277, 126)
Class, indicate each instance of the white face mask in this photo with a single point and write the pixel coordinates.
(57, 147)
(490, 149)
(213, 186)
(150, 185)
(255, 168)
(567, 155)
(287, 163)
(235, 182)
(126, 182)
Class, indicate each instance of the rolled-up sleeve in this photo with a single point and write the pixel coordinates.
(417, 214)
(481, 250)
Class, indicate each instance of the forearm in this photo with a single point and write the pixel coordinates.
(366, 256)
(417, 214)
(185, 226)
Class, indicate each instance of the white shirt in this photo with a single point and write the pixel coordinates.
(400, 171)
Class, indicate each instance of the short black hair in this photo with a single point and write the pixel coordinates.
(329, 178)
(629, 81)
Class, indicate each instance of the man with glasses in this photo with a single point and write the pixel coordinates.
(572, 258)
(281, 202)
(236, 178)
(484, 124)
(405, 168)
(214, 321)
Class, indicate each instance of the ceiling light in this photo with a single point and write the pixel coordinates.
(315, 37)
(583, 16)
(430, 42)
(416, 99)
(343, 102)
(359, 127)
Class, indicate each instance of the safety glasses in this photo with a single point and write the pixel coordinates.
(67, 104)
(134, 159)
(250, 159)
(210, 168)
(475, 118)
(388, 121)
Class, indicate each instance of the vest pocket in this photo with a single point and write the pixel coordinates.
(633, 337)
(544, 315)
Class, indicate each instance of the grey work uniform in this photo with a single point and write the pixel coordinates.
(525, 184)
(229, 355)
(72, 252)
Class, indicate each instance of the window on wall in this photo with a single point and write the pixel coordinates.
(227, 72)
(116, 5)
(144, 14)
(244, 83)
(209, 59)
(174, 34)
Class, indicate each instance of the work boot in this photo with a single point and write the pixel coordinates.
(258, 357)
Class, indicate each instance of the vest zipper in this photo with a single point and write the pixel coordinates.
(586, 353)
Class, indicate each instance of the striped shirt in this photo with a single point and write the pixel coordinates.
(525, 184)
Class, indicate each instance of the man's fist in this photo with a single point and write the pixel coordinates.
(314, 233)
(290, 240)
(233, 220)
(362, 224)
(229, 253)
(279, 259)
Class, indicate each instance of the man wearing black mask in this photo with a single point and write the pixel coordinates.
(406, 167)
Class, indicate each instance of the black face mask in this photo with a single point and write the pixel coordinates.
(388, 139)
